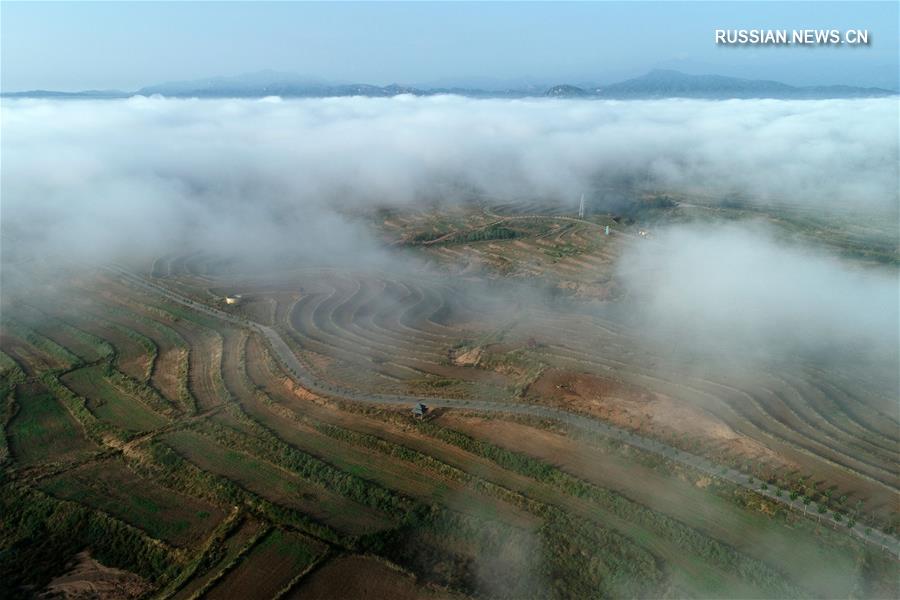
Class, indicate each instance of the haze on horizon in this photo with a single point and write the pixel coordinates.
(76, 45)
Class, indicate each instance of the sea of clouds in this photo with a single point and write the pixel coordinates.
(96, 178)
(95, 181)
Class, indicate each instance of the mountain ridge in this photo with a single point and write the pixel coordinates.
(658, 83)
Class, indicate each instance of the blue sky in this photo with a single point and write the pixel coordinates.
(75, 45)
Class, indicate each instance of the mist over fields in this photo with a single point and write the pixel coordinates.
(734, 293)
(709, 301)
(96, 181)
(94, 178)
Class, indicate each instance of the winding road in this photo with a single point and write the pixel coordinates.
(303, 377)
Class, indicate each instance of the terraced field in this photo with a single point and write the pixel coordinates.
(216, 449)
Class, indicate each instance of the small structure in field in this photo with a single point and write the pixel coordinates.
(419, 410)
(233, 299)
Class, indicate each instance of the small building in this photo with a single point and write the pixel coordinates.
(419, 410)
(233, 299)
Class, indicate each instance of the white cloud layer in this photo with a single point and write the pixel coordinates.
(735, 296)
(97, 178)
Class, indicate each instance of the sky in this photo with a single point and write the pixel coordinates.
(120, 45)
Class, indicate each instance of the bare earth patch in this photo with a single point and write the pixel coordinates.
(639, 410)
(87, 578)
(470, 358)
(352, 577)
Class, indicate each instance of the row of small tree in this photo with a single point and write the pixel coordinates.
(795, 486)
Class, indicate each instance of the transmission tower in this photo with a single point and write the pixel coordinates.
(581, 208)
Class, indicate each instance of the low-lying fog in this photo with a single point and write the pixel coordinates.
(98, 180)
(734, 292)
(96, 177)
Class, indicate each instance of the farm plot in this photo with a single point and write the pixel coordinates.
(110, 403)
(276, 484)
(86, 346)
(35, 354)
(707, 582)
(136, 354)
(181, 334)
(487, 506)
(769, 420)
(270, 567)
(387, 471)
(220, 558)
(352, 313)
(205, 365)
(700, 577)
(160, 512)
(170, 367)
(362, 577)
(393, 343)
(205, 380)
(793, 545)
(701, 565)
(42, 430)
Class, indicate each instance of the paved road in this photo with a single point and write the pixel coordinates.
(302, 375)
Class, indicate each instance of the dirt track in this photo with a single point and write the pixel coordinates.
(303, 377)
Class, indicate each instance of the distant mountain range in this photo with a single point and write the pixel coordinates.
(655, 84)
(673, 84)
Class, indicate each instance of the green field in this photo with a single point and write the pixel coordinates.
(277, 485)
(42, 430)
(108, 403)
(161, 513)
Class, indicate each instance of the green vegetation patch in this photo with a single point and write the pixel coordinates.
(162, 513)
(176, 312)
(276, 484)
(56, 353)
(151, 351)
(39, 533)
(712, 551)
(109, 403)
(494, 232)
(88, 346)
(10, 376)
(133, 350)
(560, 251)
(232, 539)
(42, 430)
(9, 370)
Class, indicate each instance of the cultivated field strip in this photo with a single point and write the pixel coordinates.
(834, 424)
(154, 393)
(785, 407)
(299, 372)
